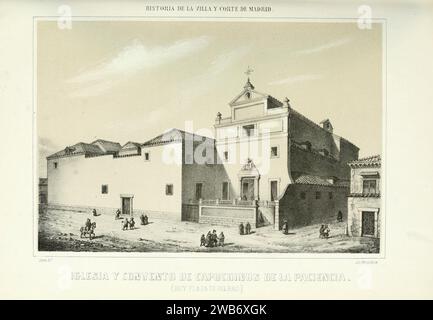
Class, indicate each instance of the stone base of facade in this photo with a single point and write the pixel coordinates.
(112, 211)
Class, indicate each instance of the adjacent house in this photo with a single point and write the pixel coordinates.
(364, 201)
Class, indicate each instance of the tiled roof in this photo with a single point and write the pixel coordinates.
(108, 146)
(309, 179)
(373, 161)
(173, 135)
(131, 145)
(318, 181)
(78, 149)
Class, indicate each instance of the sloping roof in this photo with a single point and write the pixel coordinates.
(173, 135)
(308, 179)
(78, 149)
(108, 146)
(130, 145)
(372, 161)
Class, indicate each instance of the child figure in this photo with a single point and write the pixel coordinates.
(202, 240)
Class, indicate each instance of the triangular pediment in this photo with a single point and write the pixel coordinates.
(247, 96)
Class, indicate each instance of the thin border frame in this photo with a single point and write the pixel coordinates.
(209, 255)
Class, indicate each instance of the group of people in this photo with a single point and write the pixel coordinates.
(212, 239)
(324, 231)
(144, 220)
(243, 230)
(128, 224)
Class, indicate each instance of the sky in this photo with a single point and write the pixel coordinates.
(132, 80)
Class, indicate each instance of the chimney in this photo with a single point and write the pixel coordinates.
(326, 124)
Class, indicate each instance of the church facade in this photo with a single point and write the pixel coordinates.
(265, 164)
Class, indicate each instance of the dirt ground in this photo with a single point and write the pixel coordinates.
(59, 231)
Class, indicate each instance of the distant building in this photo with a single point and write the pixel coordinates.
(267, 163)
(364, 201)
(43, 191)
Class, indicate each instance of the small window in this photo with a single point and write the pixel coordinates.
(146, 156)
(303, 195)
(198, 191)
(104, 189)
(226, 155)
(330, 195)
(369, 186)
(168, 189)
(274, 152)
(318, 195)
(56, 165)
(248, 130)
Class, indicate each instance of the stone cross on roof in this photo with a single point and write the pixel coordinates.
(249, 71)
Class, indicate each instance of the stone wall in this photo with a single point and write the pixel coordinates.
(228, 215)
(302, 212)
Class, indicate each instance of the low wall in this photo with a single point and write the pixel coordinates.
(190, 212)
(228, 215)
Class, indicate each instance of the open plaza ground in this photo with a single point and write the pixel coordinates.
(59, 230)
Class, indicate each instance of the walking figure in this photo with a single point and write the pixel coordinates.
(340, 216)
(131, 223)
(202, 240)
(241, 229)
(247, 228)
(125, 224)
(285, 227)
(221, 239)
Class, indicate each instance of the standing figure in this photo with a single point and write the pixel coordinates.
(131, 223)
(247, 228)
(214, 238)
(340, 216)
(208, 239)
(117, 214)
(285, 227)
(142, 220)
(326, 232)
(322, 228)
(146, 219)
(241, 229)
(221, 239)
(202, 240)
(125, 224)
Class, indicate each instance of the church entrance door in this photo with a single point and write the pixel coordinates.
(247, 189)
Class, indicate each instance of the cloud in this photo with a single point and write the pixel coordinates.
(296, 79)
(323, 47)
(131, 60)
(201, 84)
(46, 146)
